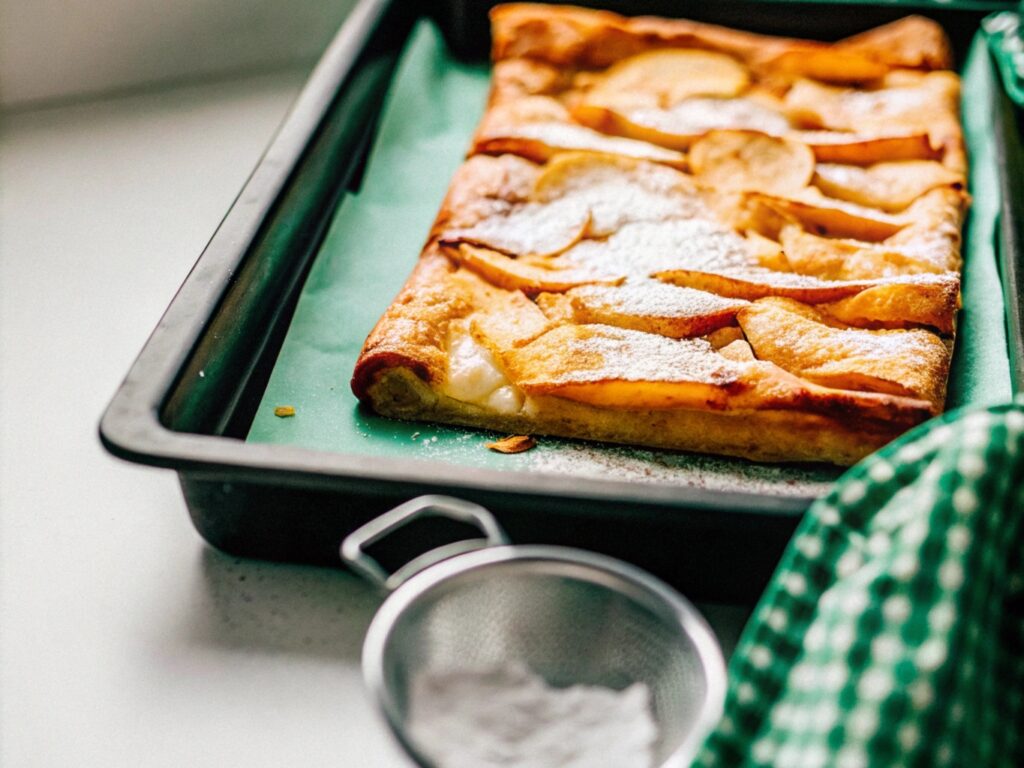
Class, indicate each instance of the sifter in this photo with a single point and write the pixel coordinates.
(572, 617)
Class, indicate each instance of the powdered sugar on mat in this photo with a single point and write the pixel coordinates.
(684, 469)
(508, 717)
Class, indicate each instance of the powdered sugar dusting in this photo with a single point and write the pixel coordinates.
(648, 466)
(775, 279)
(813, 197)
(655, 300)
(696, 116)
(569, 136)
(843, 138)
(619, 193)
(529, 229)
(911, 107)
(624, 464)
(509, 717)
(852, 344)
(608, 353)
(937, 245)
(640, 249)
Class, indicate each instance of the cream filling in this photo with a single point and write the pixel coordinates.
(475, 377)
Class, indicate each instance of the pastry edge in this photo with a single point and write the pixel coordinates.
(399, 392)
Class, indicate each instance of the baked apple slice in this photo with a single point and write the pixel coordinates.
(624, 369)
(845, 259)
(653, 307)
(663, 78)
(619, 190)
(890, 186)
(910, 363)
(616, 367)
(837, 218)
(746, 161)
(539, 128)
(528, 229)
(861, 148)
(680, 125)
(531, 275)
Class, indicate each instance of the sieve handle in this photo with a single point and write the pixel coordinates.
(353, 547)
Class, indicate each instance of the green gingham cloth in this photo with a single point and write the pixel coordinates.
(892, 633)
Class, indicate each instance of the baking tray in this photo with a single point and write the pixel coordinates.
(1009, 132)
(189, 399)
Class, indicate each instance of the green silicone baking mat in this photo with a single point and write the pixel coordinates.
(434, 104)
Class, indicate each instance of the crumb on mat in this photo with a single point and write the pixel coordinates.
(512, 444)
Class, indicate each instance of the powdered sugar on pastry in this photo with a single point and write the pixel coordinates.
(529, 229)
(558, 137)
(620, 190)
(653, 300)
(640, 249)
(696, 116)
(605, 353)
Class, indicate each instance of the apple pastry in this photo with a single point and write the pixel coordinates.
(677, 235)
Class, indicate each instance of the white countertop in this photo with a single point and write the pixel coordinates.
(124, 640)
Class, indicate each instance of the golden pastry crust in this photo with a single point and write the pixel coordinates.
(609, 265)
(567, 36)
(762, 435)
(555, 52)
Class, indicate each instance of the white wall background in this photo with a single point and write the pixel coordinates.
(55, 49)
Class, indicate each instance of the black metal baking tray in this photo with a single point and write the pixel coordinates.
(190, 397)
(1009, 132)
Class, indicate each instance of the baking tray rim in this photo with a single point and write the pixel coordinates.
(131, 427)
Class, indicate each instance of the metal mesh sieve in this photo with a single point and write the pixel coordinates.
(570, 616)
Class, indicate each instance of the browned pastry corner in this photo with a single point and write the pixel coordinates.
(679, 235)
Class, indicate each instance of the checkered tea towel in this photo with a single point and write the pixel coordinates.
(892, 633)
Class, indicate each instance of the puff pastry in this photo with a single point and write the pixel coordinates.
(678, 235)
